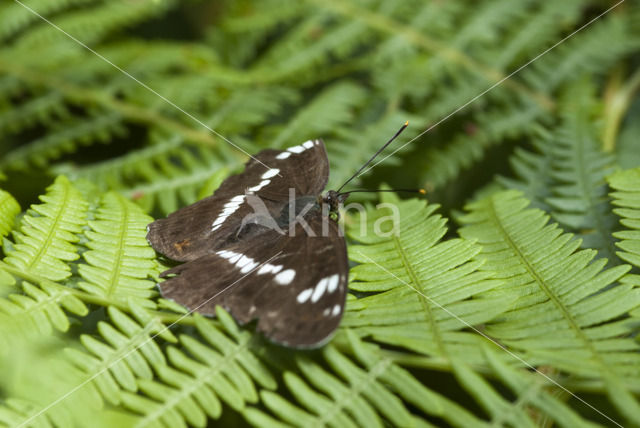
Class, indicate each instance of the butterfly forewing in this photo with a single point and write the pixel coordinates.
(211, 223)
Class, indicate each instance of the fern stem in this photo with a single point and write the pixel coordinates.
(391, 26)
(617, 99)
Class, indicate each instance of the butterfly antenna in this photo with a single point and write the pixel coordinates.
(421, 191)
(375, 155)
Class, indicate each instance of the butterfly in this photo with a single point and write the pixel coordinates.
(266, 245)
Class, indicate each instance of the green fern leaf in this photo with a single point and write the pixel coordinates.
(9, 209)
(200, 375)
(566, 315)
(489, 128)
(69, 400)
(332, 108)
(38, 310)
(129, 354)
(567, 174)
(49, 232)
(425, 285)
(591, 51)
(359, 399)
(44, 109)
(83, 131)
(579, 168)
(627, 197)
(119, 258)
(533, 170)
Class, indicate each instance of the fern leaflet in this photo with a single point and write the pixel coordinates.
(49, 233)
(424, 286)
(9, 209)
(627, 198)
(566, 314)
(119, 258)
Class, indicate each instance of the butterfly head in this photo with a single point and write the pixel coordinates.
(333, 199)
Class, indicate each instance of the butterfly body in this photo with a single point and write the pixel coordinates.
(264, 246)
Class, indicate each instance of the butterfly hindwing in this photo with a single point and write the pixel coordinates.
(211, 223)
(294, 285)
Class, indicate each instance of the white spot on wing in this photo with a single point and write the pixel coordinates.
(336, 310)
(296, 149)
(269, 268)
(249, 267)
(326, 312)
(229, 208)
(333, 281)
(320, 289)
(304, 295)
(259, 186)
(270, 173)
(285, 277)
(244, 260)
(307, 144)
(283, 155)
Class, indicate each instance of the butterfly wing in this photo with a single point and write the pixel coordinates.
(213, 222)
(294, 285)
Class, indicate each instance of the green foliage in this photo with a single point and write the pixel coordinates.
(566, 306)
(627, 197)
(494, 319)
(424, 286)
(49, 232)
(567, 175)
(119, 258)
(9, 208)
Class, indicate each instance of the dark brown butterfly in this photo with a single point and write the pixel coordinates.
(266, 245)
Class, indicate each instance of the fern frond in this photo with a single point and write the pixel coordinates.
(81, 131)
(579, 168)
(593, 51)
(14, 18)
(93, 22)
(29, 312)
(172, 183)
(38, 310)
(490, 128)
(9, 209)
(566, 174)
(68, 399)
(200, 375)
(49, 232)
(533, 171)
(285, 59)
(360, 385)
(356, 397)
(332, 108)
(125, 353)
(425, 285)
(567, 315)
(119, 258)
(43, 109)
(14, 412)
(627, 197)
(353, 147)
